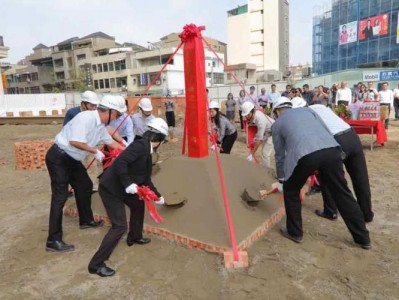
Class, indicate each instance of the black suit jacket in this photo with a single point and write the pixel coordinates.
(133, 165)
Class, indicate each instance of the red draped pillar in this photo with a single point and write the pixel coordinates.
(196, 97)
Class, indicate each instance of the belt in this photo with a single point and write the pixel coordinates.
(56, 147)
(385, 104)
(343, 132)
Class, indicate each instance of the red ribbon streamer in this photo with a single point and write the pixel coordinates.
(110, 157)
(148, 196)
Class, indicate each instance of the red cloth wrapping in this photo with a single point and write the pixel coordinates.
(378, 127)
(196, 98)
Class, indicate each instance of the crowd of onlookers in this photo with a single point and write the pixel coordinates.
(338, 93)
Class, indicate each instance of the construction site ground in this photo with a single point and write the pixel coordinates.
(327, 265)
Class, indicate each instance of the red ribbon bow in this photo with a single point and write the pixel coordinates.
(190, 31)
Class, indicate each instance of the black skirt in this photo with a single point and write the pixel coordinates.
(170, 118)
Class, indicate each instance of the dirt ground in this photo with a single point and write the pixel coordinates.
(326, 266)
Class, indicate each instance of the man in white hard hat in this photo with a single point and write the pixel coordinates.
(263, 137)
(89, 100)
(64, 163)
(125, 129)
(141, 118)
(118, 187)
(303, 145)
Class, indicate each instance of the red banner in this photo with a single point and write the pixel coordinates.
(196, 106)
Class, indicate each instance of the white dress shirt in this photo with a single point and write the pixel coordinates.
(86, 128)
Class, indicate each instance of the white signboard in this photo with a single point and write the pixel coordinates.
(371, 76)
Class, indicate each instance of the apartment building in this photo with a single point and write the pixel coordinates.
(124, 70)
(258, 40)
(33, 75)
(97, 62)
(3, 54)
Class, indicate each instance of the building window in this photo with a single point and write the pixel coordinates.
(101, 84)
(34, 76)
(120, 65)
(112, 81)
(106, 83)
(99, 68)
(94, 68)
(81, 56)
(59, 75)
(96, 84)
(105, 67)
(111, 66)
(58, 63)
(121, 81)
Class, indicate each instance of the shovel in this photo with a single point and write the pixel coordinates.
(262, 196)
(176, 205)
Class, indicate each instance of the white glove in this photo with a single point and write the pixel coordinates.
(213, 147)
(124, 143)
(131, 189)
(99, 156)
(280, 185)
(250, 157)
(161, 201)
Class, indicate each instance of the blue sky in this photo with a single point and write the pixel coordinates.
(26, 23)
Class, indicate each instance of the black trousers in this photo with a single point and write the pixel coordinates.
(329, 163)
(115, 207)
(241, 120)
(355, 164)
(228, 142)
(396, 107)
(346, 103)
(64, 170)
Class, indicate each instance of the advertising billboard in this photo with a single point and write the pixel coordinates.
(373, 27)
(348, 33)
(397, 32)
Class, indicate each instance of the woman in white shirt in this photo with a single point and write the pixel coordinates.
(344, 94)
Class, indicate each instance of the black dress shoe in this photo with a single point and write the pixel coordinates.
(103, 271)
(364, 246)
(368, 217)
(322, 214)
(284, 233)
(92, 224)
(59, 246)
(141, 241)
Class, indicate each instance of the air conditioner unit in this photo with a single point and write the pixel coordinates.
(158, 82)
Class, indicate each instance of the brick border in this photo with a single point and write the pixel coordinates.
(193, 243)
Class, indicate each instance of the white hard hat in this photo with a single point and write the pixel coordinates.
(159, 125)
(145, 104)
(298, 102)
(214, 104)
(281, 102)
(246, 108)
(122, 104)
(90, 97)
(110, 102)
